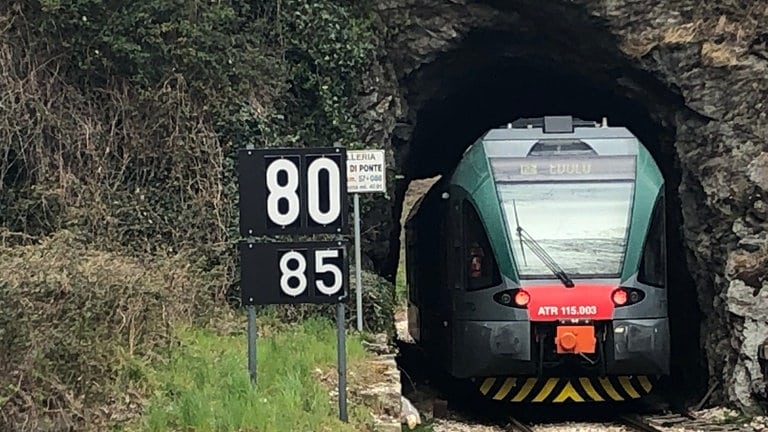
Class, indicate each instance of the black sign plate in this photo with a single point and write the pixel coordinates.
(293, 272)
(293, 191)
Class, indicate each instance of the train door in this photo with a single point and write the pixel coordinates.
(427, 274)
(469, 265)
(451, 245)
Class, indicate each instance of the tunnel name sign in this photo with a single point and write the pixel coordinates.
(366, 171)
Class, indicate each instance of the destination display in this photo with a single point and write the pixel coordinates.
(533, 169)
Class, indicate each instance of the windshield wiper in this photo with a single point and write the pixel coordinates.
(540, 252)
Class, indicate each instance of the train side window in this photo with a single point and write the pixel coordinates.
(481, 267)
(653, 263)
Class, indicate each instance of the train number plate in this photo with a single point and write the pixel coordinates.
(567, 310)
(556, 302)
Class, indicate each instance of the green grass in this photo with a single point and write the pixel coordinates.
(205, 385)
(426, 426)
(735, 418)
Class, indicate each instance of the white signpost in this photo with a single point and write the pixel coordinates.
(366, 171)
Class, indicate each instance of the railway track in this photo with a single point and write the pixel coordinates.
(427, 393)
(686, 422)
(638, 423)
(462, 418)
(634, 423)
(515, 425)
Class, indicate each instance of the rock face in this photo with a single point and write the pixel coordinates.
(689, 78)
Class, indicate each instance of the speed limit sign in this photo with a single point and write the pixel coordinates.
(293, 272)
(293, 191)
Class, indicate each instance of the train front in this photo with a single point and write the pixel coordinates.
(575, 236)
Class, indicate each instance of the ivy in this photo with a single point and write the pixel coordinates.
(163, 87)
(328, 49)
(226, 52)
(217, 47)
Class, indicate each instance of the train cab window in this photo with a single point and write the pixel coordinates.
(481, 267)
(653, 262)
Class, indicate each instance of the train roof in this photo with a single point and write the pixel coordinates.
(555, 127)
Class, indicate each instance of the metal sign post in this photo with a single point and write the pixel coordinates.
(252, 343)
(341, 355)
(358, 267)
(366, 172)
(294, 191)
(341, 351)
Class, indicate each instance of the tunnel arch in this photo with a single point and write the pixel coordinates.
(530, 66)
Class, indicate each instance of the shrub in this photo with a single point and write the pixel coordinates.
(378, 303)
(378, 306)
(121, 120)
(73, 320)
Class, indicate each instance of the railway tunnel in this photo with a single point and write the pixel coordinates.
(528, 64)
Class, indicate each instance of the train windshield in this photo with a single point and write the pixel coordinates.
(578, 210)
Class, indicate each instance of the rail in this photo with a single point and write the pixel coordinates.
(515, 425)
(637, 423)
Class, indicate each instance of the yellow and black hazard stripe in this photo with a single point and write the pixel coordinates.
(564, 389)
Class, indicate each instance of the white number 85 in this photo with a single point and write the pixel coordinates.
(300, 272)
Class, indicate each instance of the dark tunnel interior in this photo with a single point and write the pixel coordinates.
(479, 86)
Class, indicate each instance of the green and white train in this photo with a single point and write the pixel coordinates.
(537, 267)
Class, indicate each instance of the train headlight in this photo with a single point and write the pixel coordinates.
(626, 296)
(522, 298)
(619, 297)
(515, 298)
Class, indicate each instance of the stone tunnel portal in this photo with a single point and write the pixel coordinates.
(493, 78)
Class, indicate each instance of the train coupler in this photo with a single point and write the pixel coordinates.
(575, 340)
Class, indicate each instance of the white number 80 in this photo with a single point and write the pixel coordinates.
(289, 191)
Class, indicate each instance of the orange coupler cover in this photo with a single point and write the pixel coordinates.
(575, 339)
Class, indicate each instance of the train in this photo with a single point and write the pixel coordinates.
(536, 269)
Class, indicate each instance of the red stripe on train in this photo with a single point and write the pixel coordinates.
(557, 302)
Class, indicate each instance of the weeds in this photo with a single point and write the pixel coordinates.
(205, 384)
(73, 323)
